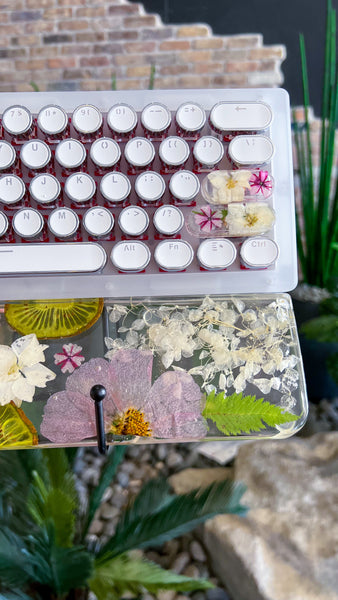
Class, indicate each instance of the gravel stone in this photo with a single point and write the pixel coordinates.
(217, 594)
(174, 459)
(123, 479)
(166, 595)
(108, 493)
(96, 527)
(128, 467)
(197, 551)
(108, 512)
(181, 562)
(191, 571)
(119, 498)
(91, 476)
(161, 452)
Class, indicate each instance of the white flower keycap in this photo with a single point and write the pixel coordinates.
(115, 187)
(208, 151)
(251, 149)
(35, 154)
(184, 185)
(241, 116)
(12, 189)
(216, 254)
(174, 151)
(27, 223)
(190, 116)
(7, 155)
(63, 222)
(173, 255)
(80, 187)
(122, 118)
(45, 188)
(70, 153)
(259, 252)
(130, 256)
(52, 120)
(168, 219)
(139, 152)
(133, 220)
(87, 119)
(98, 221)
(156, 117)
(105, 152)
(150, 186)
(3, 224)
(17, 120)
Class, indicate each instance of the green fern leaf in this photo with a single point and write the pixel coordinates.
(124, 573)
(238, 414)
(177, 517)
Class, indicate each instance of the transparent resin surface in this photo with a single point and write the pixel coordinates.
(173, 369)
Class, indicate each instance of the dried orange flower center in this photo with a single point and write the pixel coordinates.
(132, 422)
(231, 183)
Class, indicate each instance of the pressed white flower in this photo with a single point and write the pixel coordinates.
(249, 219)
(21, 370)
(222, 187)
(116, 312)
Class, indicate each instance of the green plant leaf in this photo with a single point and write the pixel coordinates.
(237, 414)
(114, 458)
(124, 573)
(152, 77)
(16, 563)
(332, 366)
(323, 329)
(179, 516)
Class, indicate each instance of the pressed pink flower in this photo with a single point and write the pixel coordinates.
(168, 408)
(70, 358)
(260, 183)
(207, 218)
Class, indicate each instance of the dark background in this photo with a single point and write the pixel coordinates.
(280, 22)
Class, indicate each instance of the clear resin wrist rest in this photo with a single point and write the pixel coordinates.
(173, 369)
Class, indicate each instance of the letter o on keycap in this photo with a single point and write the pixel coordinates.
(130, 256)
(216, 254)
(173, 255)
(105, 152)
(27, 222)
(80, 187)
(63, 222)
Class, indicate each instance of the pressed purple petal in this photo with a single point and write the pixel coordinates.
(94, 372)
(68, 417)
(130, 371)
(173, 403)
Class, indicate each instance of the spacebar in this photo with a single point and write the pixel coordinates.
(51, 258)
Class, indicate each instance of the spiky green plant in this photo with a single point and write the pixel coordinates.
(44, 549)
(317, 238)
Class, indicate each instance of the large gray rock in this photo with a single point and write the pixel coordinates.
(190, 479)
(287, 546)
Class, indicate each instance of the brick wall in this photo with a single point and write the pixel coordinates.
(83, 44)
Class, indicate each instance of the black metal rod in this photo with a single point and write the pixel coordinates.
(98, 393)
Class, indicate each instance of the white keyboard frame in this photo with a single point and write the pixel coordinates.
(281, 278)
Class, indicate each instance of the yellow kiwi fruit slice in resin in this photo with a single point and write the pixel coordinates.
(53, 318)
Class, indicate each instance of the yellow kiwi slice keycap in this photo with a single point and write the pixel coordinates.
(53, 318)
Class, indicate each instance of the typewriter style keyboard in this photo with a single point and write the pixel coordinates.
(145, 193)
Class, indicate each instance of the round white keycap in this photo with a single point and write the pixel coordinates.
(12, 189)
(16, 120)
(70, 153)
(122, 118)
(35, 154)
(139, 152)
(98, 221)
(105, 152)
(150, 186)
(184, 185)
(7, 155)
(45, 188)
(259, 252)
(208, 150)
(240, 116)
(87, 118)
(173, 255)
(3, 224)
(63, 222)
(52, 119)
(80, 187)
(251, 149)
(215, 254)
(168, 219)
(190, 116)
(130, 256)
(115, 187)
(156, 117)
(27, 222)
(174, 151)
(133, 220)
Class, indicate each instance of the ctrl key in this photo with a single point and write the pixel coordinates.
(258, 253)
(130, 256)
